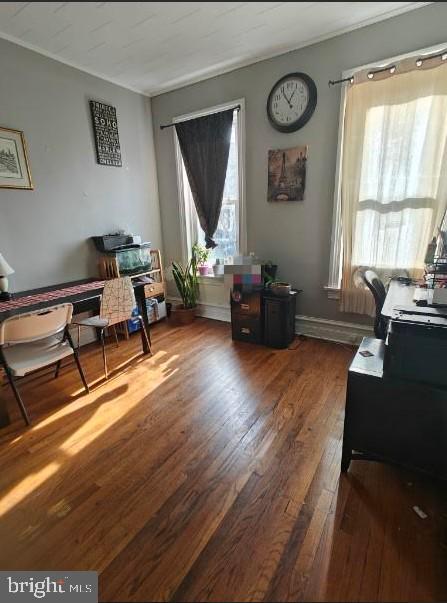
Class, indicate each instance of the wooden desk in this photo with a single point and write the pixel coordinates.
(82, 302)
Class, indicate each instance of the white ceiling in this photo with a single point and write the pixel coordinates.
(153, 47)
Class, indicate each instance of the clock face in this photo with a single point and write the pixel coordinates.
(292, 102)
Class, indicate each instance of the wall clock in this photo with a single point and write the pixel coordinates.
(291, 102)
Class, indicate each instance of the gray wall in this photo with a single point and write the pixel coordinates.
(43, 233)
(296, 235)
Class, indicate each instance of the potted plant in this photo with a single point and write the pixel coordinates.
(269, 273)
(186, 281)
(202, 255)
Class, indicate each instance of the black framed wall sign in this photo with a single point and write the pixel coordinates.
(105, 128)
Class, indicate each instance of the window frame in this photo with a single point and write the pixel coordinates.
(333, 287)
(187, 215)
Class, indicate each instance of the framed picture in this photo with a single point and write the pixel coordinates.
(105, 128)
(14, 168)
(287, 174)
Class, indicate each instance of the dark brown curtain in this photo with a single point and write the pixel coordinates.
(205, 145)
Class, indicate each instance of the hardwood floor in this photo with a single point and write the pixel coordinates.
(210, 472)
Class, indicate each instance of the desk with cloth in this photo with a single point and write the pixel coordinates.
(83, 295)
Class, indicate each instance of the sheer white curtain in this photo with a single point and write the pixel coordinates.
(394, 175)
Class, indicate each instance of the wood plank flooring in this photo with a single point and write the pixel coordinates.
(210, 472)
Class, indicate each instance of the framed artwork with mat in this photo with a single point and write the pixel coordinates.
(14, 166)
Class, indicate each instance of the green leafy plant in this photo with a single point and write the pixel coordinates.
(202, 254)
(269, 273)
(186, 281)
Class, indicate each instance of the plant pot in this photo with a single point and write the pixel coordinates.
(183, 316)
(280, 289)
(204, 270)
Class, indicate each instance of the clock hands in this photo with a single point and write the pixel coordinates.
(284, 95)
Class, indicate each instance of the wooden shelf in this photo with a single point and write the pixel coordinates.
(139, 274)
(108, 268)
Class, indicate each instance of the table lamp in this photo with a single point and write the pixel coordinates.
(5, 271)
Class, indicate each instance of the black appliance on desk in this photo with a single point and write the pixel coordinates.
(416, 345)
(260, 316)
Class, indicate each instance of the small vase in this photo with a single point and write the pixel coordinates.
(203, 270)
(218, 268)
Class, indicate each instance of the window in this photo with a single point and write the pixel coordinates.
(230, 233)
(390, 190)
(396, 207)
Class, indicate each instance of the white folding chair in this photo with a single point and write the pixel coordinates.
(117, 305)
(31, 341)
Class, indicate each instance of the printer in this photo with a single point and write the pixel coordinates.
(416, 345)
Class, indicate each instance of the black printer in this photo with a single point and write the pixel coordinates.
(416, 346)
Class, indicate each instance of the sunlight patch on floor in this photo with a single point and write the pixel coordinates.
(116, 406)
(98, 388)
(24, 488)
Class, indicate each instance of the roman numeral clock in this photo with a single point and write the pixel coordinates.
(291, 102)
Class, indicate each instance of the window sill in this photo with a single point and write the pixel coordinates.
(332, 292)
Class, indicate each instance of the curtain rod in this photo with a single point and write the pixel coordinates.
(235, 108)
(392, 68)
(345, 79)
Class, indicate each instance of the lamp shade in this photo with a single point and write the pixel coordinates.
(5, 268)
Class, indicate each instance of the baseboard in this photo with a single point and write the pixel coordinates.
(332, 330)
(310, 326)
(213, 311)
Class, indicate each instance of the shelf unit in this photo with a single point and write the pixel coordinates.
(108, 268)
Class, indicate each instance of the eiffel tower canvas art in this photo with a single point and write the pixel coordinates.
(287, 174)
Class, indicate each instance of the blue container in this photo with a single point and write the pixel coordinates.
(133, 324)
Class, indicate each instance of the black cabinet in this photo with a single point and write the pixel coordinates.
(279, 319)
(246, 315)
(258, 316)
